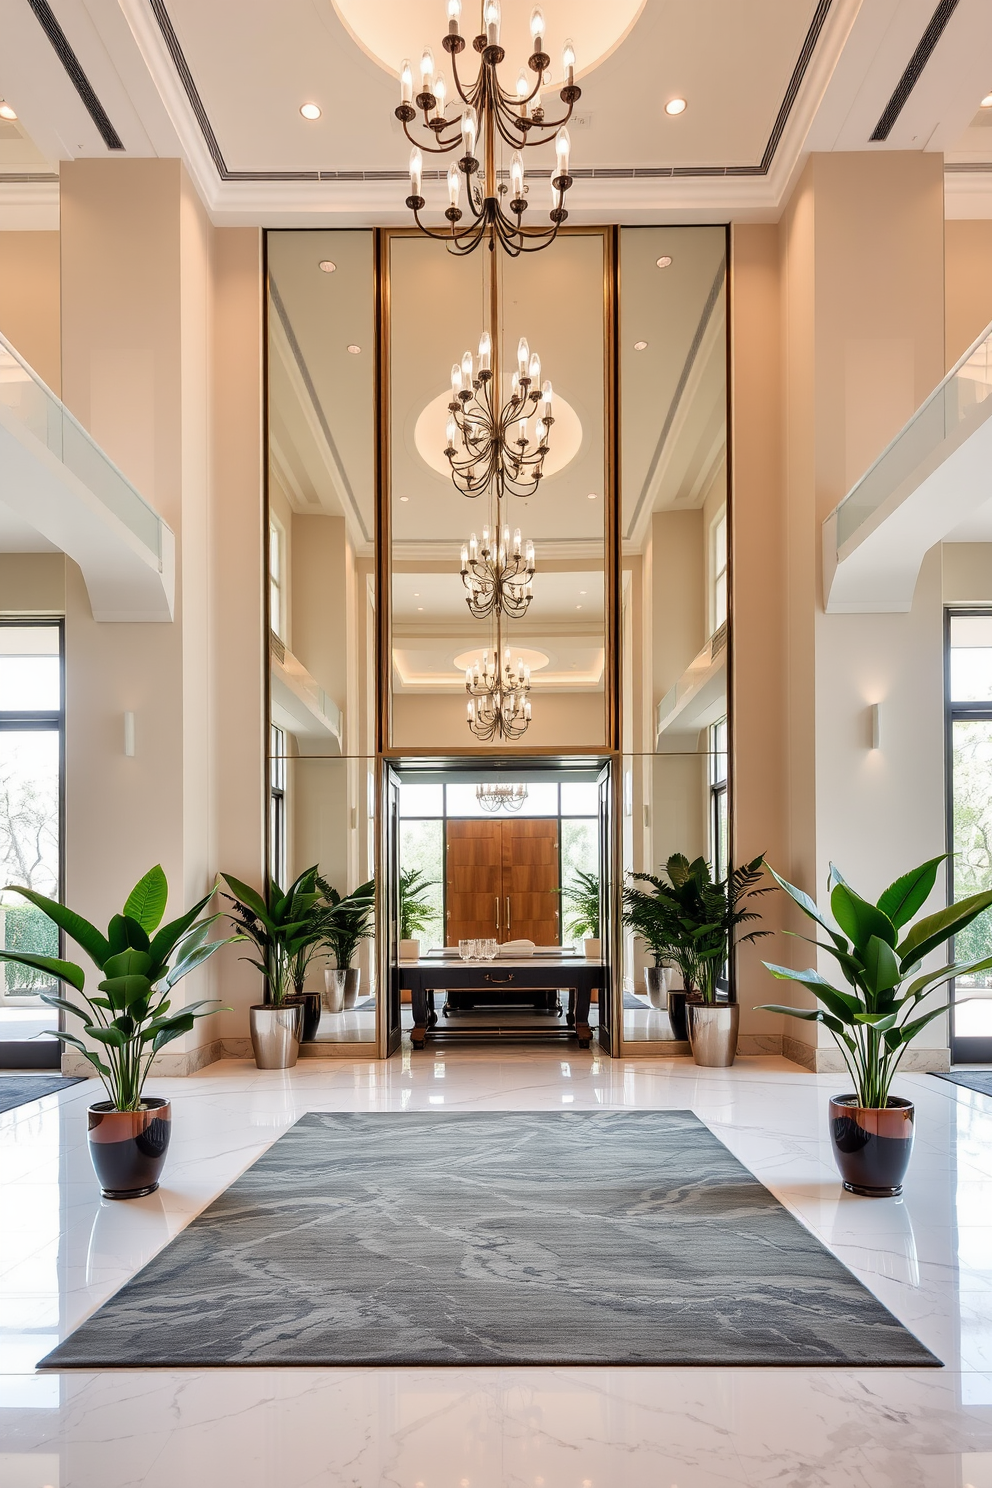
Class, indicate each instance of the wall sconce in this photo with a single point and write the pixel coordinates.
(875, 726)
(129, 735)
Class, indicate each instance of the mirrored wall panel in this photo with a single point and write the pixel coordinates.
(676, 552)
(321, 600)
(498, 496)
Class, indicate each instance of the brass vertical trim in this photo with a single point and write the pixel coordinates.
(266, 586)
(383, 624)
(612, 526)
(731, 550)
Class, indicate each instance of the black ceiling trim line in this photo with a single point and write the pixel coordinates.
(654, 172)
(192, 93)
(960, 167)
(46, 19)
(14, 178)
(914, 70)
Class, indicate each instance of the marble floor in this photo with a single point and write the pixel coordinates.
(928, 1258)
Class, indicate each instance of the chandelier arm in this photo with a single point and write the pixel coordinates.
(470, 97)
(421, 144)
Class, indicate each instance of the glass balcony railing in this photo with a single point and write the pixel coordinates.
(963, 398)
(41, 413)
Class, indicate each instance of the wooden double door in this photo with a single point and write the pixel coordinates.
(503, 881)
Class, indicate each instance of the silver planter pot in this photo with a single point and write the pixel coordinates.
(275, 1034)
(352, 983)
(335, 985)
(713, 1032)
(656, 980)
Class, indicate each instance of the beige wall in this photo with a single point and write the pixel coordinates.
(968, 285)
(30, 299)
(161, 361)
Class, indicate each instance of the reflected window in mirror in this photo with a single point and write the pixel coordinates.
(719, 803)
(277, 805)
(277, 579)
(718, 572)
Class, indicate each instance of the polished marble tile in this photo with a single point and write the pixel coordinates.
(927, 1257)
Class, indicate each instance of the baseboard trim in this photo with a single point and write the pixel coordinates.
(166, 1064)
(826, 1061)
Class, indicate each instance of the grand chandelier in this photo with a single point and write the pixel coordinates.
(491, 445)
(498, 705)
(489, 112)
(501, 797)
(497, 574)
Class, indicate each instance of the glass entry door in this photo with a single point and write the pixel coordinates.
(30, 833)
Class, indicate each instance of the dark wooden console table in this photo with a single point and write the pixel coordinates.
(502, 983)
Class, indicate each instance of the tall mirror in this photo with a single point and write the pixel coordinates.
(673, 415)
(321, 524)
(498, 577)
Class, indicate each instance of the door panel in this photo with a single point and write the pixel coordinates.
(473, 881)
(530, 881)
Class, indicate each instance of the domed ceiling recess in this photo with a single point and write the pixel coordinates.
(390, 31)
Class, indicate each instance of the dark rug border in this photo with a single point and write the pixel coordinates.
(960, 1079)
(413, 1362)
(64, 1082)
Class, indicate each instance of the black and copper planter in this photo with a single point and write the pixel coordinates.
(128, 1148)
(872, 1146)
(311, 1014)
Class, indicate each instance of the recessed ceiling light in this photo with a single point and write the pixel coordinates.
(310, 111)
(663, 261)
(6, 112)
(404, 498)
(583, 591)
(326, 266)
(640, 345)
(417, 594)
(986, 103)
(675, 106)
(591, 496)
(354, 349)
(578, 607)
(420, 609)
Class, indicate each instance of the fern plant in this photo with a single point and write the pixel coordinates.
(692, 920)
(583, 898)
(416, 913)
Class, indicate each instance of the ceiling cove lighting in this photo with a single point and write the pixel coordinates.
(310, 110)
(489, 117)
(501, 797)
(675, 106)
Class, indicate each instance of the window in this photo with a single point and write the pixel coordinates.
(277, 806)
(426, 808)
(31, 717)
(718, 573)
(969, 757)
(719, 812)
(277, 579)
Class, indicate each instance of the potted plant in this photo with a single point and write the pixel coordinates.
(141, 961)
(416, 912)
(874, 1018)
(583, 897)
(652, 918)
(346, 921)
(701, 917)
(281, 930)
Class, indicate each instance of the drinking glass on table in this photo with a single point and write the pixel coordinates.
(466, 949)
(487, 950)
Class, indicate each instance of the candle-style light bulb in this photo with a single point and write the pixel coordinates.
(522, 431)
(454, 16)
(470, 131)
(467, 372)
(416, 171)
(406, 82)
(454, 185)
(541, 432)
(516, 541)
(537, 27)
(534, 370)
(456, 379)
(568, 62)
(529, 554)
(492, 22)
(517, 175)
(515, 387)
(485, 351)
(473, 547)
(440, 91)
(485, 550)
(451, 429)
(563, 146)
(546, 396)
(523, 88)
(465, 559)
(426, 69)
(523, 357)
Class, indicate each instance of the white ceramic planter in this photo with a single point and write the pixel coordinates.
(409, 950)
(592, 949)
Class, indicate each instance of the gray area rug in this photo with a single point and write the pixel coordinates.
(980, 1080)
(503, 1237)
(17, 1090)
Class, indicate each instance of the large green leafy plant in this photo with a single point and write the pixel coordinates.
(416, 913)
(346, 919)
(691, 919)
(286, 930)
(581, 896)
(141, 964)
(873, 1019)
